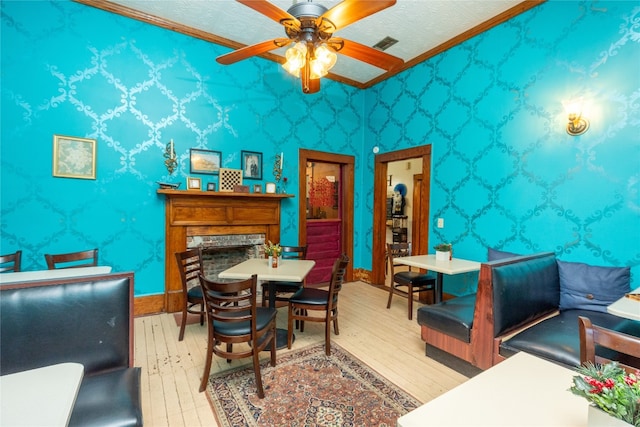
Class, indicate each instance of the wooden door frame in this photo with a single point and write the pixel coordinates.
(347, 185)
(380, 206)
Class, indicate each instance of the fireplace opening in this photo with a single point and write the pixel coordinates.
(220, 252)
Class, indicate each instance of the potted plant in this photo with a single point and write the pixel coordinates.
(614, 395)
(443, 251)
(273, 251)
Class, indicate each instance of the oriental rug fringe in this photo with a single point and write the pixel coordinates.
(308, 388)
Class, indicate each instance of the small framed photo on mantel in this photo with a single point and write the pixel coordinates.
(270, 188)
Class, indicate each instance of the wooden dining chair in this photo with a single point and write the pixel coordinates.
(283, 288)
(87, 258)
(233, 317)
(602, 345)
(414, 281)
(190, 269)
(306, 301)
(10, 262)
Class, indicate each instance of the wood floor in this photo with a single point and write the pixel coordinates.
(383, 339)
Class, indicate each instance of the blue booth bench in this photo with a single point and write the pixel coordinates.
(518, 307)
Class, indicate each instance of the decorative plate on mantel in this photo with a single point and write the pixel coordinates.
(168, 185)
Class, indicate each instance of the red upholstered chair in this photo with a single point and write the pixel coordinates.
(312, 300)
(414, 281)
(87, 258)
(190, 268)
(234, 318)
(10, 262)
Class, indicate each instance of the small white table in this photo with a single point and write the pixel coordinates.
(31, 276)
(40, 397)
(428, 262)
(523, 390)
(288, 270)
(627, 307)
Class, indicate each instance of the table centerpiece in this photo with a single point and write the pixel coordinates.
(610, 391)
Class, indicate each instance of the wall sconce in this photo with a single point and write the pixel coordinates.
(577, 125)
(170, 156)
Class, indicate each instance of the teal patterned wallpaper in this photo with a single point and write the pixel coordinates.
(70, 69)
(504, 173)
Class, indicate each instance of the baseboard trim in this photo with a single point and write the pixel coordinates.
(151, 304)
(450, 361)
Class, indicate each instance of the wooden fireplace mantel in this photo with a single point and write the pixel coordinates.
(201, 213)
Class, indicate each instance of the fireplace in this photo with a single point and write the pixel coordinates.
(208, 215)
(225, 251)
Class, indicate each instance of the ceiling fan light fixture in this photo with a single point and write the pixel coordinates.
(296, 58)
(324, 59)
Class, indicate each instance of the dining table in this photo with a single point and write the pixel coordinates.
(523, 390)
(40, 397)
(288, 270)
(627, 306)
(31, 276)
(450, 267)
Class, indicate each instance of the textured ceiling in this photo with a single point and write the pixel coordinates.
(422, 27)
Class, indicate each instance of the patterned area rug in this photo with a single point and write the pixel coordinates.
(308, 388)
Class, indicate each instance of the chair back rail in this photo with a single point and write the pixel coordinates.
(625, 348)
(86, 258)
(11, 262)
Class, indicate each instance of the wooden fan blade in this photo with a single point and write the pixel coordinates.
(268, 9)
(350, 11)
(255, 49)
(370, 55)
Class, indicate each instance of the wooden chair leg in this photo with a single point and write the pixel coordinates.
(183, 323)
(327, 337)
(289, 327)
(410, 300)
(256, 370)
(390, 295)
(201, 313)
(207, 366)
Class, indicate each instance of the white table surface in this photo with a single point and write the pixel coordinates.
(290, 270)
(30, 276)
(523, 390)
(428, 262)
(626, 307)
(40, 397)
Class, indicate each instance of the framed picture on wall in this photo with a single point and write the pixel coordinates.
(74, 157)
(251, 164)
(205, 161)
(193, 183)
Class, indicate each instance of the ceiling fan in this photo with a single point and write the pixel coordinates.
(310, 26)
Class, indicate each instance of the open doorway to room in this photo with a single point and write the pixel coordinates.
(326, 183)
(411, 223)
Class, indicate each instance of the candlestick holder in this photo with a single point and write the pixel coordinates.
(170, 155)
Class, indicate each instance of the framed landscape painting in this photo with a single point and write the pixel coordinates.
(205, 161)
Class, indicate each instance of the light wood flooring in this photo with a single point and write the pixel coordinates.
(383, 339)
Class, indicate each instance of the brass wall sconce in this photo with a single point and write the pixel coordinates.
(577, 124)
(170, 155)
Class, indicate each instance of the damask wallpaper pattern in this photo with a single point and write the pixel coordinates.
(504, 172)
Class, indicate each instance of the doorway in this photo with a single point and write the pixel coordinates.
(421, 190)
(325, 211)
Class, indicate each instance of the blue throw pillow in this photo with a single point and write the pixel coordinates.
(494, 254)
(589, 287)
